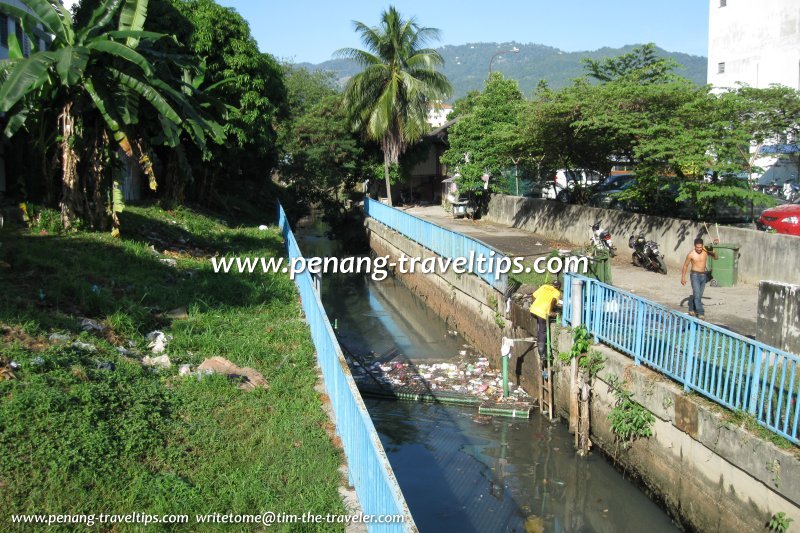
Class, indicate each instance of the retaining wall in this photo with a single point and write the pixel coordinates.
(466, 302)
(763, 256)
(710, 473)
(779, 315)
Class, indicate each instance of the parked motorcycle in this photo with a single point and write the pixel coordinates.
(646, 254)
(791, 192)
(601, 239)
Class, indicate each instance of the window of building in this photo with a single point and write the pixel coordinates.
(20, 35)
(4, 31)
(721, 68)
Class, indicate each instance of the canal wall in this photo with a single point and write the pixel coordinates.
(468, 304)
(763, 256)
(702, 464)
(708, 470)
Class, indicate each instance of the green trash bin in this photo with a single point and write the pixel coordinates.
(725, 270)
(600, 266)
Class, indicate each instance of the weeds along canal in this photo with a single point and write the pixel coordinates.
(460, 471)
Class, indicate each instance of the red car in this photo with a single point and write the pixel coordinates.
(783, 219)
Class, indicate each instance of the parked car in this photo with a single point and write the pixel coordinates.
(566, 181)
(604, 195)
(783, 219)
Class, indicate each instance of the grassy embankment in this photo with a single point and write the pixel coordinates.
(80, 436)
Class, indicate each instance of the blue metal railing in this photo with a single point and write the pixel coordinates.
(441, 241)
(737, 372)
(370, 471)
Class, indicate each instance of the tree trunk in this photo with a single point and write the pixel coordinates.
(70, 187)
(388, 179)
(98, 211)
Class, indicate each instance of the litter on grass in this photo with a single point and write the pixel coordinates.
(157, 362)
(158, 341)
(247, 378)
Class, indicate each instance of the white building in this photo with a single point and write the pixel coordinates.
(756, 42)
(438, 113)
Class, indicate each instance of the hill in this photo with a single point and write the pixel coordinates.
(467, 65)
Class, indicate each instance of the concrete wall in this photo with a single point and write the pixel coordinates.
(710, 473)
(779, 315)
(763, 256)
(467, 303)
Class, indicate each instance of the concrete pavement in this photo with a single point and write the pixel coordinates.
(733, 308)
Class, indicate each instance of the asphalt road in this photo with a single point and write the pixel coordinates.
(733, 308)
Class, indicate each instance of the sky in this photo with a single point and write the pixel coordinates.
(311, 31)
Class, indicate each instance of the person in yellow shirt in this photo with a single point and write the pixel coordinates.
(544, 300)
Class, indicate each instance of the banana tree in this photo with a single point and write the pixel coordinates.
(99, 76)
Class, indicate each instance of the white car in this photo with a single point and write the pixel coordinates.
(565, 181)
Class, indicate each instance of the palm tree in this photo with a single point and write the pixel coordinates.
(389, 99)
(97, 77)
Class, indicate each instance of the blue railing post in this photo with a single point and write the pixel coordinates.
(597, 312)
(566, 310)
(755, 380)
(638, 333)
(689, 357)
(587, 307)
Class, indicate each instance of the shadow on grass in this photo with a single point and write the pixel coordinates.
(51, 281)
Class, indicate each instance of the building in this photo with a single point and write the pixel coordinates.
(438, 113)
(754, 42)
(758, 43)
(11, 26)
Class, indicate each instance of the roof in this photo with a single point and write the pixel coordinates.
(779, 149)
(443, 128)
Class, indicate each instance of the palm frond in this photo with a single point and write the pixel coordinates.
(121, 51)
(146, 91)
(55, 20)
(25, 77)
(71, 63)
(101, 17)
(132, 18)
(30, 21)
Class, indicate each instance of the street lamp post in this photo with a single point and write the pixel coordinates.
(514, 50)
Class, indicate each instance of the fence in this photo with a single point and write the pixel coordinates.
(370, 471)
(737, 372)
(441, 241)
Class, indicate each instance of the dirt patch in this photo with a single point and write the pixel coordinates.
(14, 334)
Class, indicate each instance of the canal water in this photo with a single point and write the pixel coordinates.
(464, 472)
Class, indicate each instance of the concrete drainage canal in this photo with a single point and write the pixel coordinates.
(461, 470)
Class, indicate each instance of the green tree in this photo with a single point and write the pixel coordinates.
(388, 101)
(97, 75)
(324, 158)
(485, 139)
(248, 82)
(551, 139)
(642, 64)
